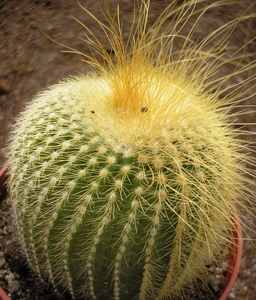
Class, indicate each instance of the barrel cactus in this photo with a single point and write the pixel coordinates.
(124, 181)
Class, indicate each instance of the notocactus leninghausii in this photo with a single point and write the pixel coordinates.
(124, 182)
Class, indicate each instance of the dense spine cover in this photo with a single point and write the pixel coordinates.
(124, 182)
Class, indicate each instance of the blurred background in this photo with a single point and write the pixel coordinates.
(30, 62)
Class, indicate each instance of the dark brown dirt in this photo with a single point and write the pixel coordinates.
(30, 61)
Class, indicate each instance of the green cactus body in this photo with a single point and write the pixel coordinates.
(116, 212)
(123, 183)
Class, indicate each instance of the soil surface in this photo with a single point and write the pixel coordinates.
(30, 61)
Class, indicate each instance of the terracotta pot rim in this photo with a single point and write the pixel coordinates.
(234, 261)
(3, 295)
(3, 170)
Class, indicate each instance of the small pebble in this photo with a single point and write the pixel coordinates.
(2, 262)
(10, 277)
(231, 296)
(13, 286)
(253, 268)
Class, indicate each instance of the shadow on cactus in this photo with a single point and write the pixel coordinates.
(124, 182)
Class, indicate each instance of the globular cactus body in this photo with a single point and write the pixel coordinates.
(123, 183)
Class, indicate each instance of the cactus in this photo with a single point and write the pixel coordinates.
(124, 181)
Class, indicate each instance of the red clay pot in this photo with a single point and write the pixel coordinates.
(234, 260)
(3, 295)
